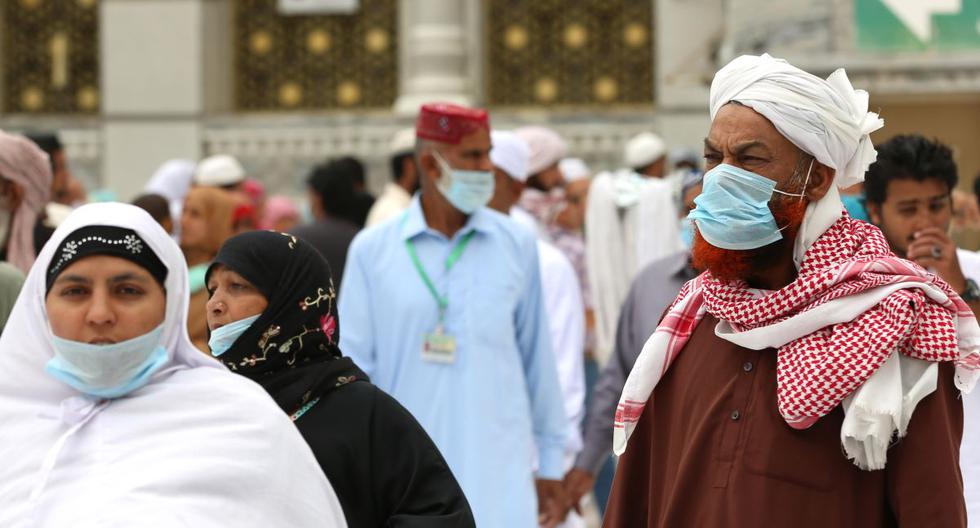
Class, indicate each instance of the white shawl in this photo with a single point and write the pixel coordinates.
(198, 446)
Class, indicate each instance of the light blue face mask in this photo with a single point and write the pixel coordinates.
(107, 371)
(467, 190)
(222, 338)
(686, 230)
(733, 208)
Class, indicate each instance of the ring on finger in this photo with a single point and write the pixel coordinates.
(936, 252)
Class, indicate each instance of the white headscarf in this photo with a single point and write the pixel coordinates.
(197, 446)
(827, 119)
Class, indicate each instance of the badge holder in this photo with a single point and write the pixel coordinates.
(439, 347)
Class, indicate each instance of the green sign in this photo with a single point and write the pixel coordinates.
(917, 25)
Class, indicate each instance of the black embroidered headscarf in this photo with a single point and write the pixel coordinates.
(104, 240)
(292, 348)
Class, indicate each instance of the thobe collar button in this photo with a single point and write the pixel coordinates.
(736, 415)
(747, 367)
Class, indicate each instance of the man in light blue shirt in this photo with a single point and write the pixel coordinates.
(442, 308)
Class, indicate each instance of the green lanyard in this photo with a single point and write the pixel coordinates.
(451, 260)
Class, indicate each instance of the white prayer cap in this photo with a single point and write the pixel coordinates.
(402, 142)
(644, 149)
(546, 147)
(574, 169)
(828, 119)
(510, 154)
(684, 155)
(218, 171)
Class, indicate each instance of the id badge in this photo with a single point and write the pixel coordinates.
(439, 347)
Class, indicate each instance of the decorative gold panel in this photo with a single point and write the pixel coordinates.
(323, 61)
(554, 52)
(51, 56)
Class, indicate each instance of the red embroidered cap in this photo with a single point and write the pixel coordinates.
(448, 123)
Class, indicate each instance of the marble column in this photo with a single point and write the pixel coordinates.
(438, 43)
(160, 74)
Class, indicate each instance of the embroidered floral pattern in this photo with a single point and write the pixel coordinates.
(328, 323)
(315, 300)
(344, 380)
(292, 239)
(269, 333)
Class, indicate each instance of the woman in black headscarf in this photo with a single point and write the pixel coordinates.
(273, 318)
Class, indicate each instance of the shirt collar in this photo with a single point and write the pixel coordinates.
(413, 223)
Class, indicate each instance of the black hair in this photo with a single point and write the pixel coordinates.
(48, 142)
(398, 164)
(976, 186)
(334, 184)
(352, 166)
(156, 205)
(909, 157)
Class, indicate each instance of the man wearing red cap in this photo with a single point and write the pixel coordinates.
(442, 308)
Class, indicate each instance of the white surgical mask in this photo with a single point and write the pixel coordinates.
(107, 371)
(222, 338)
(467, 190)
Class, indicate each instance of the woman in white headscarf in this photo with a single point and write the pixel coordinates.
(110, 417)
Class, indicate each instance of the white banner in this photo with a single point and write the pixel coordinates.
(318, 7)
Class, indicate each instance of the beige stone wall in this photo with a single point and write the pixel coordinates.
(954, 121)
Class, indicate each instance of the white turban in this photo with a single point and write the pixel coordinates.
(827, 119)
(547, 147)
(509, 154)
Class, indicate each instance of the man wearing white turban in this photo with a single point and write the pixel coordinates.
(544, 181)
(804, 338)
(631, 221)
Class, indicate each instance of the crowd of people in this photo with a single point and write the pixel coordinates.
(779, 333)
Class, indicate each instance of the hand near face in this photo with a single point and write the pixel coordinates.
(932, 249)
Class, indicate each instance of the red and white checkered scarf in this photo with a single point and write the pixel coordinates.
(819, 364)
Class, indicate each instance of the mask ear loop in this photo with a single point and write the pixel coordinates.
(802, 194)
(806, 182)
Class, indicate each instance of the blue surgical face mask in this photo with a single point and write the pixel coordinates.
(467, 190)
(222, 338)
(733, 208)
(107, 371)
(686, 230)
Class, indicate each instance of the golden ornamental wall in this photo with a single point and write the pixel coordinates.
(554, 52)
(50, 56)
(310, 62)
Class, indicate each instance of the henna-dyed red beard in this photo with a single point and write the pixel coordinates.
(732, 264)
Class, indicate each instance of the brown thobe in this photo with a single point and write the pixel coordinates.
(712, 450)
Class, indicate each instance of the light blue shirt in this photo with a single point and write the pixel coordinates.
(496, 412)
